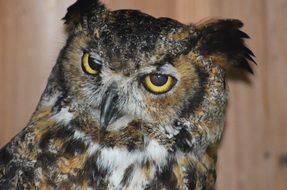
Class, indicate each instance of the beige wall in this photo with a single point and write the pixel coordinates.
(253, 154)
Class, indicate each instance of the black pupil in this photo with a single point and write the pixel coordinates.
(94, 65)
(158, 80)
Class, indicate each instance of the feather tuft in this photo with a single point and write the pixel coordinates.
(224, 38)
(79, 9)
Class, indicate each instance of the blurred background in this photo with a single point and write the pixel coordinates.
(253, 153)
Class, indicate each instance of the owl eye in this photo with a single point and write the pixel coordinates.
(90, 65)
(158, 83)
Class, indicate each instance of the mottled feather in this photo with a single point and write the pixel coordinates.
(100, 125)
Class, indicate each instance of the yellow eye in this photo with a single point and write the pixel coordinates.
(158, 83)
(90, 65)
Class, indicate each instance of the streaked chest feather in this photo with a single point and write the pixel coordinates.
(69, 157)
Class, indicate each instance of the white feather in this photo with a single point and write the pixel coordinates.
(63, 117)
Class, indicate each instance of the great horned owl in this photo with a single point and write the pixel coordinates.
(133, 102)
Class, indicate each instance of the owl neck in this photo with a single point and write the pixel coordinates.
(128, 159)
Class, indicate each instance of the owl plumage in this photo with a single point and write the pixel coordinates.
(133, 102)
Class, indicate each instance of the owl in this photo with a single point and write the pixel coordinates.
(133, 102)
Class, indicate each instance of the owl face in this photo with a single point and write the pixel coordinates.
(121, 66)
(134, 67)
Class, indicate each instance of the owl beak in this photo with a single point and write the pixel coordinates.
(108, 106)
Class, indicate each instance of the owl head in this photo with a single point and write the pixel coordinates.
(123, 66)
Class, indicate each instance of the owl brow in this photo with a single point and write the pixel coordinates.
(166, 60)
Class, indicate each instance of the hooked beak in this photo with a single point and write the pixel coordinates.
(108, 106)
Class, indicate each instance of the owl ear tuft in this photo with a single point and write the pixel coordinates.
(225, 43)
(77, 12)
